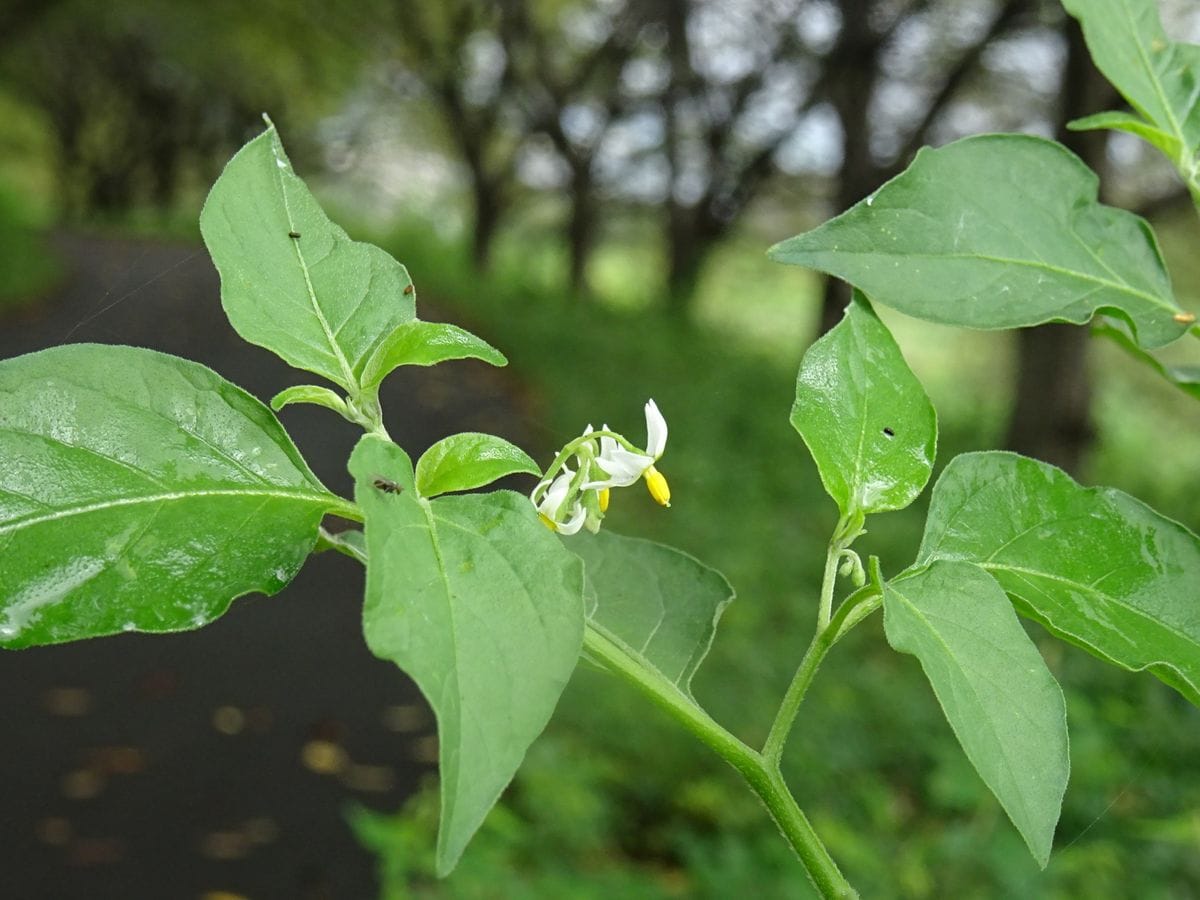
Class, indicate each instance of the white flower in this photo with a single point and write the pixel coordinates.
(618, 466)
(621, 467)
(563, 517)
(567, 501)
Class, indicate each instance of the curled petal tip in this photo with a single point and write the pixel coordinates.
(656, 430)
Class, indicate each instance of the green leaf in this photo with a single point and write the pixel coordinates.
(291, 280)
(309, 393)
(1186, 378)
(1005, 707)
(658, 604)
(997, 231)
(1159, 78)
(427, 344)
(140, 492)
(469, 460)
(1120, 121)
(476, 600)
(1095, 566)
(864, 415)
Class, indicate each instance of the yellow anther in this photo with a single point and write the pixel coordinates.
(656, 483)
(547, 521)
(603, 498)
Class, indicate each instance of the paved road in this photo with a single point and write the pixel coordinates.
(219, 760)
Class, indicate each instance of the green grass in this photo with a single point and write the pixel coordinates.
(28, 265)
(872, 761)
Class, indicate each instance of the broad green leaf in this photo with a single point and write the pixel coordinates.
(309, 393)
(427, 344)
(1159, 78)
(1119, 121)
(469, 460)
(140, 492)
(997, 231)
(476, 600)
(1005, 707)
(864, 416)
(1186, 378)
(659, 605)
(1093, 565)
(291, 280)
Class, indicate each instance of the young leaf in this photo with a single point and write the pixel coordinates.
(461, 462)
(291, 280)
(309, 393)
(426, 344)
(140, 492)
(659, 605)
(1157, 76)
(864, 415)
(997, 231)
(1120, 121)
(476, 600)
(1093, 565)
(1005, 707)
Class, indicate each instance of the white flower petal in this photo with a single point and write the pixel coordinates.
(573, 524)
(656, 430)
(556, 494)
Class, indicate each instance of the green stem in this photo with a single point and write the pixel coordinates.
(760, 774)
(790, 706)
(345, 509)
(832, 628)
(832, 559)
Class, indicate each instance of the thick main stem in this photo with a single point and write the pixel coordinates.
(762, 776)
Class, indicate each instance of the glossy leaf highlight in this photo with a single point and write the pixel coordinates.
(1004, 706)
(140, 492)
(997, 231)
(476, 600)
(1095, 566)
(864, 415)
(291, 280)
(469, 460)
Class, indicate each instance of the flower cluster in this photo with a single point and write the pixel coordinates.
(569, 499)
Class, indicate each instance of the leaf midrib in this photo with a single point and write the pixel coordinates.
(1155, 81)
(163, 497)
(1023, 263)
(1088, 589)
(350, 381)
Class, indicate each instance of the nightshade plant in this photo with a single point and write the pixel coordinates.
(143, 492)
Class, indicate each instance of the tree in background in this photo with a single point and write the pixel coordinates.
(454, 49)
(144, 99)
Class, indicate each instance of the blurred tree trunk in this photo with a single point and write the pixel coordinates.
(851, 81)
(581, 229)
(488, 209)
(1051, 417)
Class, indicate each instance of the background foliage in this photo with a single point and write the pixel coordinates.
(619, 169)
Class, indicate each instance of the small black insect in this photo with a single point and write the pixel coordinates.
(294, 235)
(889, 432)
(408, 289)
(388, 487)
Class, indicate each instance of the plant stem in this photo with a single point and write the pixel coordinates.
(762, 776)
(832, 559)
(790, 706)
